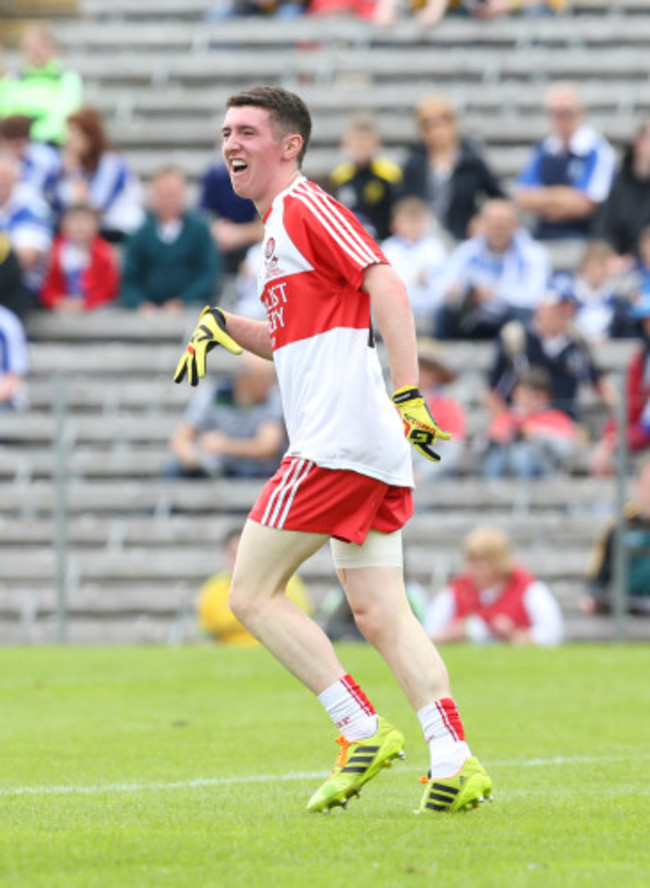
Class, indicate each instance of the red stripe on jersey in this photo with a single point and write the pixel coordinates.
(355, 691)
(451, 717)
(345, 234)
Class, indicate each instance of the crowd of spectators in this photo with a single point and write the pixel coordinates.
(78, 230)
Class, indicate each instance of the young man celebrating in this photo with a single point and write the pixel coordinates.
(347, 472)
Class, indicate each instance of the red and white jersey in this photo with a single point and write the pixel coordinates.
(337, 411)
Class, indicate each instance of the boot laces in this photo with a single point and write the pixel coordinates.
(342, 757)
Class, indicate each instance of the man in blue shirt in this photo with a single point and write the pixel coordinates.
(236, 225)
(569, 173)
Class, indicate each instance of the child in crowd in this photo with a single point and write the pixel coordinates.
(14, 362)
(642, 270)
(602, 311)
(530, 439)
(416, 254)
(247, 300)
(435, 376)
(83, 272)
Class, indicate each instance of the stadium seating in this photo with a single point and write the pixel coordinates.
(160, 74)
(138, 547)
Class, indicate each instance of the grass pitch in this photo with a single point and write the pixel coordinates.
(192, 766)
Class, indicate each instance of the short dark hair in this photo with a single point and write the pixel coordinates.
(16, 126)
(288, 112)
(536, 378)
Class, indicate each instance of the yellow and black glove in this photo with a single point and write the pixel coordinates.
(209, 332)
(420, 427)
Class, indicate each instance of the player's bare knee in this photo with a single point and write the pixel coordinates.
(242, 603)
(373, 622)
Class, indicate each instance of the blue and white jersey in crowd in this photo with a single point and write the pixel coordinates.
(14, 358)
(26, 218)
(115, 192)
(587, 164)
(40, 170)
(420, 264)
(517, 277)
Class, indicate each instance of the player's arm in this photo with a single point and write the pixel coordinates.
(394, 317)
(217, 327)
(556, 202)
(252, 335)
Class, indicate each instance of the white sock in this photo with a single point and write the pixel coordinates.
(444, 732)
(350, 710)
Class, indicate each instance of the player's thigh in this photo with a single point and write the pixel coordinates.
(374, 590)
(267, 558)
(372, 575)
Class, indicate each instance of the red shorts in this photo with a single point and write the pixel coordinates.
(346, 505)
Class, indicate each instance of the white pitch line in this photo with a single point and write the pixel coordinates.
(201, 782)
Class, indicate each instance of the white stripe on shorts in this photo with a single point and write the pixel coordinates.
(280, 500)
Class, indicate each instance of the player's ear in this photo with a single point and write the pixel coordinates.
(292, 146)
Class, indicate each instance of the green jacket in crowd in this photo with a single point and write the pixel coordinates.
(48, 94)
(188, 268)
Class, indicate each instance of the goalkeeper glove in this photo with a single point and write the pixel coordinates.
(420, 427)
(209, 332)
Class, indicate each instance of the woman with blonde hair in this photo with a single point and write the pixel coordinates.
(446, 169)
(494, 599)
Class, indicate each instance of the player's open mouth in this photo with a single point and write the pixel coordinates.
(238, 166)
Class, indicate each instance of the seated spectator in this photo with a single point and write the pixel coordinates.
(217, 620)
(229, 9)
(603, 303)
(643, 263)
(96, 174)
(40, 164)
(446, 170)
(494, 599)
(436, 375)
(83, 272)
(530, 439)
(549, 341)
(569, 174)
(247, 298)
(430, 12)
(495, 276)
(626, 212)
(638, 401)
(495, 8)
(14, 361)
(601, 575)
(171, 260)
(363, 9)
(365, 183)
(25, 219)
(235, 223)
(418, 256)
(233, 428)
(42, 89)
(12, 291)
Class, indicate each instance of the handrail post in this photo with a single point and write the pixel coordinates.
(61, 507)
(619, 590)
